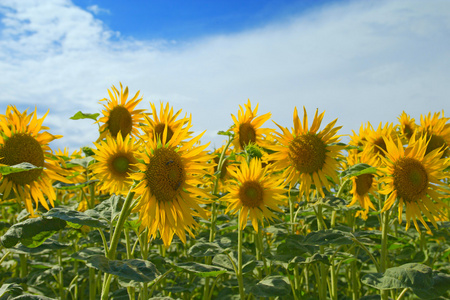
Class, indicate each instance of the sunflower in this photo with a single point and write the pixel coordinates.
(115, 160)
(359, 139)
(407, 125)
(438, 131)
(247, 127)
(167, 120)
(363, 184)
(170, 184)
(374, 145)
(308, 156)
(255, 190)
(120, 115)
(414, 179)
(21, 141)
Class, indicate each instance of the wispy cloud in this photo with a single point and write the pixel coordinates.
(359, 60)
(97, 9)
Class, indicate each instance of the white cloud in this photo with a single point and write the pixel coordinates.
(97, 9)
(360, 61)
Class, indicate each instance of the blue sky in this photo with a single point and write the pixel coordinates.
(358, 60)
(184, 20)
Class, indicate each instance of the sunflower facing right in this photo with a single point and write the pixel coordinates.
(414, 178)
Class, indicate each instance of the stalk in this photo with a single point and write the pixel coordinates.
(384, 250)
(124, 213)
(323, 268)
(239, 266)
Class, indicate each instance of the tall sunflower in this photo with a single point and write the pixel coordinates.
(170, 184)
(407, 125)
(437, 129)
(308, 155)
(255, 190)
(362, 185)
(374, 145)
(119, 114)
(21, 140)
(167, 121)
(247, 127)
(115, 160)
(413, 178)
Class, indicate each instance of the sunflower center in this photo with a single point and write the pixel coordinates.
(165, 174)
(410, 179)
(159, 130)
(120, 120)
(407, 130)
(363, 184)
(379, 145)
(21, 148)
(251, 194)
(120, 164)
(436, 141)
(247, 134)
(308, 153)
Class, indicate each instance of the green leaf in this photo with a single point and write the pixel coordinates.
(205, 249)
(31, 297)
(441, 284)
(10, 288)
(75, 217)
(4, 225)
(359, 169)
(416, 276)
(248, 262)
(46, 247)
(328, 237)
(199, 269)
(227, 133)
(108, 209)
(31, 232)
(22, 167)
(73, 186)
(80, 115)
(84, 162)
(88, 252)
(133, 269)
(272, 286)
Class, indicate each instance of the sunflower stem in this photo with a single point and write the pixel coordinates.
(323, 268)
(239, 266)
(384, 250)
(291, 213)
(111, 254)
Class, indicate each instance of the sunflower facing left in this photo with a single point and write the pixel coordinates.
(21, 140)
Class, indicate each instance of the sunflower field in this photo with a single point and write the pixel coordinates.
(150, 212)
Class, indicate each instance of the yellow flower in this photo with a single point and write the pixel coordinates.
(414, 179)
(359, 139)
(308, 156)
(167, 121)
(374, 146)
(407, 125)
(255, 190)
(115, 160)
(119, 114)
(21, 141)
(247, 127)
(170, 185)
(437, 130)
(363, 184)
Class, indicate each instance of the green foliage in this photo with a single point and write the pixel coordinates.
(80, 115)
(22, 167)
(75, 218)
(32, 232)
